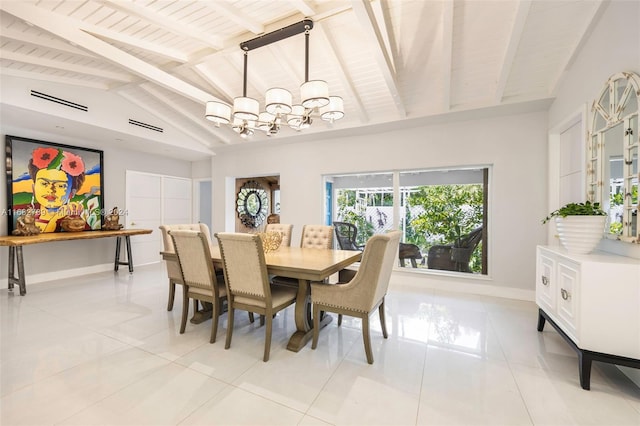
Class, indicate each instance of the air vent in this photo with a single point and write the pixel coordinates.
(146, 126)
(59, 100)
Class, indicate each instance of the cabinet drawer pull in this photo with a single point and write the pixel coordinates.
(545, 280)
(565, 294)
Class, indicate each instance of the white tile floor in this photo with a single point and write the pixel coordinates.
(102, 349)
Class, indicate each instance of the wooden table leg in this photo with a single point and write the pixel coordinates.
(129, 256)
(304, 327)
(116, 265)
(202, 315)
(16, 258)
(21, 280)
(129, 262)
(11, 277)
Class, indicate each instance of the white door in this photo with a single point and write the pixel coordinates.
(203, 202)
(176, 200)
(152, 200)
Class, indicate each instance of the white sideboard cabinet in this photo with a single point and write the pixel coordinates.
(593, 301)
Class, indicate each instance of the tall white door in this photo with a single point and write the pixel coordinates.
(177, 200)
(153, 200)
(203, 202)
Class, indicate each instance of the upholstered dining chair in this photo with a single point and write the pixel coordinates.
(173, 269)
(313, 236)
(199, 280)
(284, 229)
(248, 286)
(364, 293)
(317, 236)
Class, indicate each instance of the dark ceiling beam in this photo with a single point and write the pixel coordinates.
(277, 35)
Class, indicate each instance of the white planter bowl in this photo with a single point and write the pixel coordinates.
(580, 234)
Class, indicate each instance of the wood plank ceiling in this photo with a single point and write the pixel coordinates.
(390, 60)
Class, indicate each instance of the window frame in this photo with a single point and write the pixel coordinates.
(485, 169)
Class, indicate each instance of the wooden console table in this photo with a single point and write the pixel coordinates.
(15, 244)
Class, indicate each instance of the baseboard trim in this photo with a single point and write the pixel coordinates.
(421, 282)
(68, 273)
(399, 281)
(62, 274)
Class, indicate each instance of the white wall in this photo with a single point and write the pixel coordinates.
(67, 258)
(515, 145)
(201, 169)
(106, 118)
(613, 46)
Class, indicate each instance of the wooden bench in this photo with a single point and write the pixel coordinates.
(16, 259)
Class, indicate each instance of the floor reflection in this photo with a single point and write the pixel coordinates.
(443, 326)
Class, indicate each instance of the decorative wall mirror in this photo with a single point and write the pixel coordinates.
(252, 204)
(612, 150)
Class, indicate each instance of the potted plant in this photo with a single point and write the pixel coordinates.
(580, 226)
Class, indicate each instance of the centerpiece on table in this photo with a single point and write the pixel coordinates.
(580, 226)
(270, 241)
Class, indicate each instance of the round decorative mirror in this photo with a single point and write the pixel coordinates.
(612, 147)
(252, 204)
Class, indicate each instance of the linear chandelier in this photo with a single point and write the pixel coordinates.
(245, 116)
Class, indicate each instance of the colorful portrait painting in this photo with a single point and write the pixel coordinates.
(53, 182)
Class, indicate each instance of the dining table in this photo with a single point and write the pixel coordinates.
(307, 265)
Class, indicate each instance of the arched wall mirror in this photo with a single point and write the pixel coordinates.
(612, 155)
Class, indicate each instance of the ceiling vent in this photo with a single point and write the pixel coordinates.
(146, 126)
(59, 101)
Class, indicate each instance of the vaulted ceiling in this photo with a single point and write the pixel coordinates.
(392, 61)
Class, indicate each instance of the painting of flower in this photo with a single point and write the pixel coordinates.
(72, 164)
(42, 157)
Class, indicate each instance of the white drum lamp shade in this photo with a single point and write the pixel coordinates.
(278, 101)
(265, 120)
(245, 108)
(294, 118)
(218, 112)
(334, 110)
(314, 94)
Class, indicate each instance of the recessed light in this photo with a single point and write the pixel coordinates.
(59, 127)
